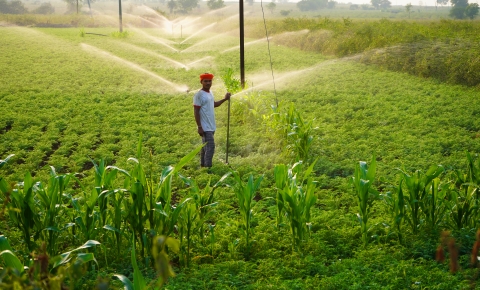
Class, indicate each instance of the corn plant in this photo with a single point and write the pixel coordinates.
(22, 210)
(296, 134)
(396, 206)
(434, 206)
(419, 187)
(150, 200)
(295, 197)
(245, 194)
(362, 182)
(52, 207)
(37, 274)
(4, 187)
(162, 265)
(204, 200)
(9, 258)
(187, 226)
(86, 217)
(474, 179)
(461, 199)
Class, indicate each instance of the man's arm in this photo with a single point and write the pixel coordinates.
(218, 103)
(196, 113)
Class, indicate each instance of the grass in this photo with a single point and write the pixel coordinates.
(61, 104)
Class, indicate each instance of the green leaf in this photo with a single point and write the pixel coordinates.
(187, 158)
(127, 285)
(138, 280)
(6, 252)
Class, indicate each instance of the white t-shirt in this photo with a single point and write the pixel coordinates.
(205, 101)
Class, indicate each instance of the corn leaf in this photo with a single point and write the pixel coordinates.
(9, 258)
(127, 285)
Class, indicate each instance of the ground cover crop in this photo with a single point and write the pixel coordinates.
(68, 98)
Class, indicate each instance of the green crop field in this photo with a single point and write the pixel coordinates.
(364, 175)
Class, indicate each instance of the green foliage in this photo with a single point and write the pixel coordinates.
(186, 5)
(120, 34)
(12, 7)
(381, 4)
(411, 122)
(396, 206)
(307, 5)
(215, 4)
(472, 10)
(423, 197)
(295, 197)
(362, 182)
(271, 6)
(245, 192)
(231, 83)
(44, 8)
(295, 134)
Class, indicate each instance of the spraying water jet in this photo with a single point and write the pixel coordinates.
(176, 87)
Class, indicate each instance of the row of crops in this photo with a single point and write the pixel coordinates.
(139, 210)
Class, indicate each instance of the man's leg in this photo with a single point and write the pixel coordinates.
(208, 149)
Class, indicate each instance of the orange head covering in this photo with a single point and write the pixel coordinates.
(206, 76)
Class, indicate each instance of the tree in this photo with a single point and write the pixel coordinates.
(306, 5)
(381, 4)
(215, 4)
(187, 5)
(45, 8)
(472, 10)
(171, 5)
(250, 2)
(408, 7)
(14, 7)
(458, 9)
(271, 6)
(331, 4)
(440, 2)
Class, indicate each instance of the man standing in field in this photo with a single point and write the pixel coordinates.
(203, 109)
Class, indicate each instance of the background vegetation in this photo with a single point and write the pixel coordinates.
(77, 100)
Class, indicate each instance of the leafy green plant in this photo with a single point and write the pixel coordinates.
(22, 210)
(121, 34)
(232, 84)
(362, 182)
(69, 265)
(295, 197)
(52, 207)
(162, 265)
(245, 192)
(295, 134)
(421, 198)
(396, 206)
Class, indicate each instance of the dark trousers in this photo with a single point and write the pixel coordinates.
(206, 155)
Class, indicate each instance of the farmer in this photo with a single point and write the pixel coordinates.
(203, 104)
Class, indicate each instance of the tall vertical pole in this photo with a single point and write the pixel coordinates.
(242, 44)
(120, 14)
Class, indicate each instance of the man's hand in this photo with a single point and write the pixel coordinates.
(227, 96)
(200, 131)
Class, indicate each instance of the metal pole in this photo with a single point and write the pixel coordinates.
(242, 44)
(228, 131)
(120, 14)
